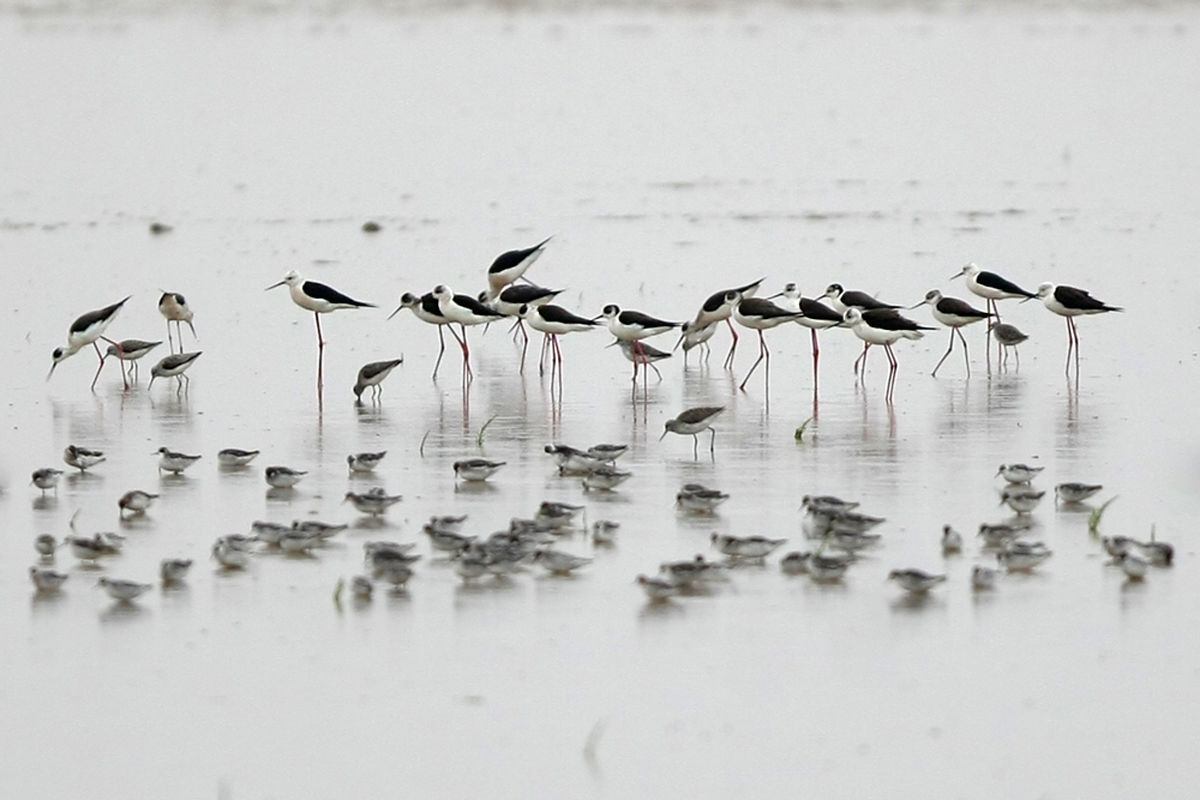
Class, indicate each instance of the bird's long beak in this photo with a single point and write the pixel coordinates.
(51, 372)
(151, 383)
(664, 435)
(918, 305)
(597, 318)
(682, 336)
(956, 275)
(613, 343)
(191, 328)
(394, 313)
(273, 285)
(777, 294)
(1027, 299)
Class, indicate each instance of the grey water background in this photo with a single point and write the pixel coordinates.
(671, 153)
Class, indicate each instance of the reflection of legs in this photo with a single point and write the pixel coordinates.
(816, 353)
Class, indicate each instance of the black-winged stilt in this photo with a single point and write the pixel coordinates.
(84, 331)
(954, 314)
(760, 315)
(1069, 302)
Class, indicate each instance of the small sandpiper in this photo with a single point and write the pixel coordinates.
(572, 461)
(47, 478)
(174, 570)
(373, 502)
(556, 515)
(1160, 554)
(135, 501)
(364, 462)
(699, 499)
(230, 556)
(233, 457)
(298, 542)
(604, 532)
(268, 533)
(1117, 546)
(130, 350)
(449, 523)
(605, 478)
(1075, 492)
(372, 375)
(45, 544)
(284, 477)
(447, 541)
(81, 457)
(1021, 499)
(696, 570)
(397, 575)
(795, 562)
(87, 548)
(607, 452)
(170, 461)
(1018, 473)
(828, 568)
(476, 469)
(952, 541)
(1000, 534)
(658, 590)
(325, 530)
(750, 547)
(1133, 566)
(983, 578)
(174, 366)
(123, 591)
(361, 587)
(1022, 559)
(826, 503)
(692, 422)
(915, 581)
(47, 580)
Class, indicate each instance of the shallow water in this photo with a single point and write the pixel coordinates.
(670, 156)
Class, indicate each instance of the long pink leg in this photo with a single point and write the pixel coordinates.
(732, 347)
(762, 350)
(944, 355)
(100, 356)
(441, 348)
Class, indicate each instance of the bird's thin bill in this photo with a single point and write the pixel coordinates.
(273, 285)
(394, 313)
(956, 275)
(664, 435)
(918, 305)
(51, 372)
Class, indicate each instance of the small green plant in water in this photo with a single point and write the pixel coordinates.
(799, 435)
(337, 593)
(1094, 517)
(484, 427)
(421, 449)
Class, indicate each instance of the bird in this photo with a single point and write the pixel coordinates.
(571, 460)
(136, 501)
(1021, 499)
(283, 477)
(604, 532)
(843, 299)
(45, 544)
(1000, 534)
(991, 287)
(761, 315)
(1018, 473)
(690, 336)
(658, 590)
(174, 366)
(511, 265)
(174, 570)
(372, 375)
(1069, 302)
(691, 422)
(82, 458)
(718, 307)
(699, 499)
(753, 547)
(952, 541)
(605, 478)
(229, 555)
(954, 314)
(426, 309)
(632, 327)
(1023, 560)
(1134, 566)
(85, 330)
(46, 580)
(1075, 492)
(476, 469)
(319, 299)
(885, 327)
(130, 350)
(123, 591)
(557, 562)
(1008, 337)
(233, 457)
(174, 308)
(795, 562)
(46, 478)
(915, 581)
(552, 321)
(982, 578)
(171, 461)
(828, 568)
(1160, 554)
(512, 299)
(364, 462)
(816, 316)
(373, 502)
(464, 310)
(647, 354)
(607, 452)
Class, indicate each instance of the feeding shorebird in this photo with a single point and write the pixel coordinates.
(646, 355)
(171, 461)
(954, 314)
(952, 541)
(364, 462)
(174, 308)
(373, 502)
(1008, 337)
(131, 351)
(1018, 473)
(84, 331)
(1021, 499)
(82, 458)
(658, 590)
(605, 478)
(604, 532)
(233, 457)
(174, 570)
(47, 580)
(319, 299)
(752, 547)
(690, 337)
(760, 314)
(464, 310)
(983, 578)
(45, 544)
(1075, 492)
(718, 307)
(372, 375)
(693, 421)
(135, 501)
(511, 265)
(174, 366)
(915, 581)
(815, 315)
(46, 478)
(795, 562)
(992, 288)
(557, 562)
(698, 499)
(1069, 302)
(123, 591)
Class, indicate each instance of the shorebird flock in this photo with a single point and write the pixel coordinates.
(511, 296)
